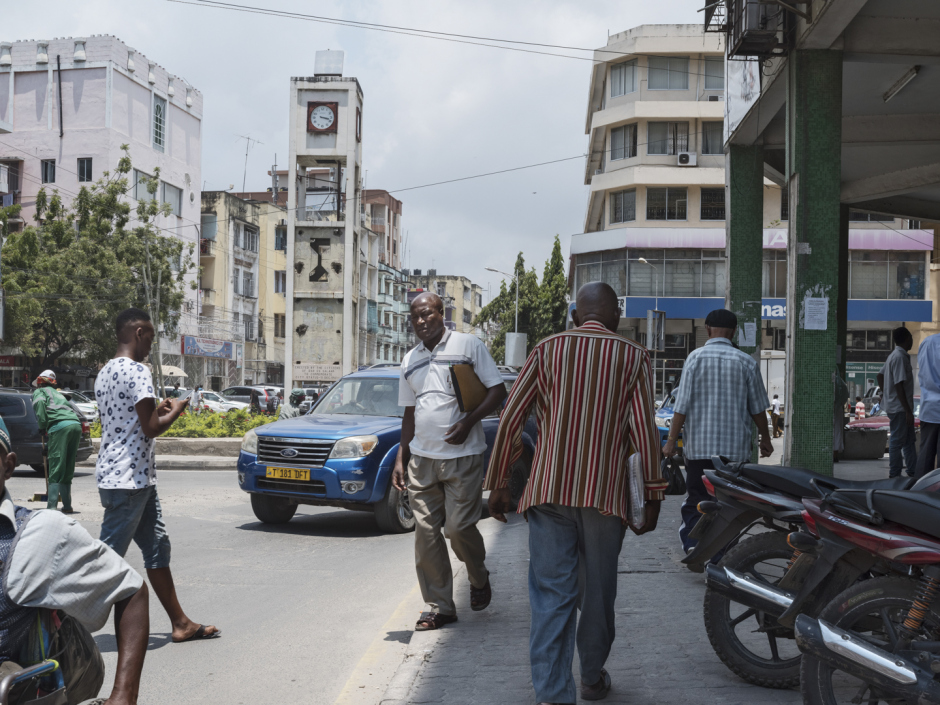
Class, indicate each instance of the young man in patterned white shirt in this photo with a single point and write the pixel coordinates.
(126, 468)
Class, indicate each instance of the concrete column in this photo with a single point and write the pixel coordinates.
(744, 228)
(815, 267)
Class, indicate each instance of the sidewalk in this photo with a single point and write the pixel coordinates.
(181, 462)
(661, 654)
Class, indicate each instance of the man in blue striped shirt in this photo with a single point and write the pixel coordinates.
(721, 395)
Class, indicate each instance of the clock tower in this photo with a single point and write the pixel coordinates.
(323, 224)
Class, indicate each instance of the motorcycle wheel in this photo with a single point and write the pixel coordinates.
(873, 610)
(748, 641)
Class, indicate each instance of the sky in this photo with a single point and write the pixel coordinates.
(433, 110)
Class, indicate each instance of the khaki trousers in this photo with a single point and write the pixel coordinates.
(446, 493)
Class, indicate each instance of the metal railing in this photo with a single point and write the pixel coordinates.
(315, 215)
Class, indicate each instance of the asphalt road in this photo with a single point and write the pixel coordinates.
(315, 611)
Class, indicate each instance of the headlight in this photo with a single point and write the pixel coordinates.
(354, 447)
(250, 442)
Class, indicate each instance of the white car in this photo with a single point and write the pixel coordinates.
(88, 407)
(213, 401)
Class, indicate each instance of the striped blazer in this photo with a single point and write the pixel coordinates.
(593, 401)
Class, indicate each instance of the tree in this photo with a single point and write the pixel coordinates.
(543, 309)
(68, 276)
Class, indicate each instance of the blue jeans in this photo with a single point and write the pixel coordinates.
(573, 555)
(135, 515)
(903, 441)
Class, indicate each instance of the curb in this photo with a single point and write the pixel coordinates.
(181, 462)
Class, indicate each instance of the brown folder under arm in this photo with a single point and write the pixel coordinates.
(467, 386)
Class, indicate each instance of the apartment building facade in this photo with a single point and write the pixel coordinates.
(463, 299)
(655, 224)
(385, 213)
(67, 105)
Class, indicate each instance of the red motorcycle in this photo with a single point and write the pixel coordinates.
(879, 639)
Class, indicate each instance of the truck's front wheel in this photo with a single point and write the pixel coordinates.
(272, 510)
(393, 513)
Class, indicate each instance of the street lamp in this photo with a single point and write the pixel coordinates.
(649, 333)
(516, 276)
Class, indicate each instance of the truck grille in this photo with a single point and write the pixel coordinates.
(312, 487)
(311, 453)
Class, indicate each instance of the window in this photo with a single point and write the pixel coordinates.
(210, 225)
(609, 267)
(666, 203)
(280, 282)
(48, 171)
(713, 138)
(139, 186)
(466, 316)
(785, 203)
(249, 239)
(714, 73)
(623, 206)
(775, 274)
(623, 78)
(173, 196)
(690, 273)
(667, 137)
(868, 340)
(466, 294)
(859, 216)
(441, 288)
(623, 142)
(668, 73)
(280, 239)
(248, 284)
(280, 325)
(84, 169)
(713, 204)
(249, 322)
(237, 281)
(886, 275)
(159, 123)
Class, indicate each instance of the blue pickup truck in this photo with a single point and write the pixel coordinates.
(341, 454)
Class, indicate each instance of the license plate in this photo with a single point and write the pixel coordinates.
(287, 474)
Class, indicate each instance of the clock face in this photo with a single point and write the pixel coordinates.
(322, 117)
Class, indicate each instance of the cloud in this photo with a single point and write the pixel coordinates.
(434, 110)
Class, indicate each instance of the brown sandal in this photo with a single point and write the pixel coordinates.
(480, 597)
(433, 620)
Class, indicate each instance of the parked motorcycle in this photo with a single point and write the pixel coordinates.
(763, 578)
(879, 639)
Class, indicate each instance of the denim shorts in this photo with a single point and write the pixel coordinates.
(135, 514)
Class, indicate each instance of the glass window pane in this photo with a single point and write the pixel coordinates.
(713, 138)
(868, 280)
(713, 204)
(714, 73)
(629, 205)
(679, 72)
(907, 280)
(658, 138)
(656, 203)
(616, 80)
(641, 279)
(677, 199)
(785, 203)
(616, 143)
(713, 278)
(616, 208)
(683, 277)
(679, 137)
(615, 274)
(658, 73)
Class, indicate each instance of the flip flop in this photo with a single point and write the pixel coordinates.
(201, 634)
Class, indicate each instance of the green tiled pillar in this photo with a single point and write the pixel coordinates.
(815, 267)
(744, 176)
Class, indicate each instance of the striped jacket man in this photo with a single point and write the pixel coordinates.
(593, 400)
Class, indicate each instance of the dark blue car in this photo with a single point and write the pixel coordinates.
(341, 454)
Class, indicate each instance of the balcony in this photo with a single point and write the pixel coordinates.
(206, 248)
(315, 215)
(208, 297)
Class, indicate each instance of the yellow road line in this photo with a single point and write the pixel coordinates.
(361, 673)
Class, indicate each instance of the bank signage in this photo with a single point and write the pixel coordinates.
(206, 347)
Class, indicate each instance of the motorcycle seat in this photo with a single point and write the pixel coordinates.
(915, 510)
(798, 482)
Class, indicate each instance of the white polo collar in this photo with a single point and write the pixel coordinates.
(443, 340)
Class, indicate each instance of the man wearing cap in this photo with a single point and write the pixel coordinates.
(721, 396)
(291, 409)
(63, 429)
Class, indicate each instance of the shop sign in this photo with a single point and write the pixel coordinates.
(206, 347)
(7, 361)
(315, 372)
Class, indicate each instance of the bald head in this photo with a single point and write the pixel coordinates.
(428, 298)
(597, 302)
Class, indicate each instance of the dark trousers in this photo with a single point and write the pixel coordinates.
(902, 444)
(694, 472)
(929, 440)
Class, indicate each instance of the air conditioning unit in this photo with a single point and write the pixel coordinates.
(687, 159)
(714, 98)
(283, 222)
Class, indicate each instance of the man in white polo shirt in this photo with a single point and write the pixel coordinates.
(442, 447)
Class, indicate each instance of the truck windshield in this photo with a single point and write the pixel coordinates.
(362, 396)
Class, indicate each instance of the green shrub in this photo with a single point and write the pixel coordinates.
(230, 424)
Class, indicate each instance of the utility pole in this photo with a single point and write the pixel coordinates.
(248, 141)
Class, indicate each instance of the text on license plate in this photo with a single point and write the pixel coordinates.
(287, 474)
